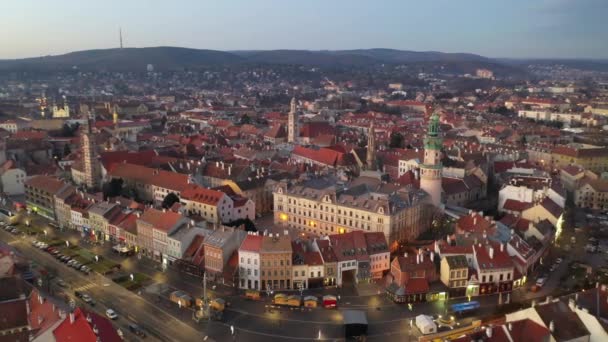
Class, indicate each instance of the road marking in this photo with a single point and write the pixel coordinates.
(85, 287)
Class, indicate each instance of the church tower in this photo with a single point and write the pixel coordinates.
(431, 169)
(292, 122)
(371, 147)
(92, 171)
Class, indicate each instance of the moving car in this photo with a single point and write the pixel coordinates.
(87, 299)
(61, 283)
(135, 329)
(540, 282)
(111, 314)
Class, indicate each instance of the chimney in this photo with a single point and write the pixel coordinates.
(502, 247)
(551, 327)
(489, 331)
(475, 221)
(71, 317)
(417, 258)
(491, 252)
(229, 170)
(510, 326)
(432, 256)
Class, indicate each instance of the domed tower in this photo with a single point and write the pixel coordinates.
(431, 168)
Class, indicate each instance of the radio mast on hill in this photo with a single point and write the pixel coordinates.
(120, 36)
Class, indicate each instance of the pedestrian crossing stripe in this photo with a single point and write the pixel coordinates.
(85, 287)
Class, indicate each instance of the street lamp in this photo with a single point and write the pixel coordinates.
(27, 223)
(319, 334)
(67, 243)
(45, 233)
(97, 260)
(131, 276)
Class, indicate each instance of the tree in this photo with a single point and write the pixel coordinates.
(245, 119)
(112, 188)
(66, 150)
(169, 200)
(396, 140)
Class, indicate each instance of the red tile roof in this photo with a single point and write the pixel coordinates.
(252, 243)
(552, 207)
(43, 313)
(46, 183)
(81, 329)
(515, 205)
(202, 195)
(161, 220)
(145, 175)
(416, 286)
(499, 260)
(474, 223)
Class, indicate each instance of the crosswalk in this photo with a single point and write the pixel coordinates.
(85, 287)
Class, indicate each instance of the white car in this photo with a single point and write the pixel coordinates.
(540, 282)
(111, 314)
(558, 261)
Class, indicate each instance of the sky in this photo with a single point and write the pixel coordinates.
(493, 28)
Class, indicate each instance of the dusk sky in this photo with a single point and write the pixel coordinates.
(494, 28)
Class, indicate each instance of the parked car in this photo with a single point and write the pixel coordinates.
(111, 314)
(78, 294)
(14, 231)
(35, 243)
(559, 260)
(61, 283)
(135, 329)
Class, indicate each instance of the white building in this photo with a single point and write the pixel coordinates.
(13, 179)
(249, 262)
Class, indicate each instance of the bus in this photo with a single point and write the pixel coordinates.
(464, 308)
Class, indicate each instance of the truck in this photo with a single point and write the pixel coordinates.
(181, 298)
(215, 312)
(425, 324)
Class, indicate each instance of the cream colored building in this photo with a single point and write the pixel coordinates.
(593, 194)
(275, 263)
(321, 207)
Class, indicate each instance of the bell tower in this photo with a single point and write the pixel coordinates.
(431, 168)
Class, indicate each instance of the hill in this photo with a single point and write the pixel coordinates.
(131, 59)
(177, 58)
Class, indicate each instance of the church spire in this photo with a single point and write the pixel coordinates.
(371, 146)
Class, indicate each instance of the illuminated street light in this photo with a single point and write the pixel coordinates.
(67, 243)
(96, 258)
(131, 276)
(45, 233)
(319, 334)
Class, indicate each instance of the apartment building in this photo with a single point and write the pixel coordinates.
(212, 205)
(592, 194)
(249, 262)
(219, 246)
(275, 263)
(322, 207)
(454, 273)
(149, 183)
(99, 217)
(153, 228)
(40, 194)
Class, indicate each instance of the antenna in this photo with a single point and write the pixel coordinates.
(120, 36)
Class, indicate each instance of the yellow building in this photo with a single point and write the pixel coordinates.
(321, 207)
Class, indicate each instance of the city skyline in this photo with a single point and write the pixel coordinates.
(539, 29)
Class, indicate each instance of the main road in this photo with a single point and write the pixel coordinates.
(130, 307)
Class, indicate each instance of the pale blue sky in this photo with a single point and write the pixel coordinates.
(494, 28)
